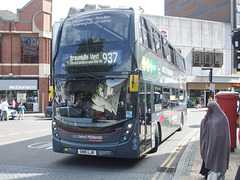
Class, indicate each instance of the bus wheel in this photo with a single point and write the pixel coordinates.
(157, 140)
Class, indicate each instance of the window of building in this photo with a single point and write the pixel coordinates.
(29, 50)
(218, 59)
(197, 58)
(208, 59)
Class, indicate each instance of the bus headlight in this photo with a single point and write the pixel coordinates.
(54, 129)
(127, 131)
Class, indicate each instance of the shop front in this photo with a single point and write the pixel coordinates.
(202, 93)
(21, 90)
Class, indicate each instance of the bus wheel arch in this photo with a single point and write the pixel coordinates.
(181, 122)
(158, 138)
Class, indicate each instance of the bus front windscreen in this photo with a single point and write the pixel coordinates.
(93, 103)
(95, 42)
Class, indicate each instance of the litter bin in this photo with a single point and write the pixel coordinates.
(228, 102)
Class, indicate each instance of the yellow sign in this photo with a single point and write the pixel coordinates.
(50, 92)
(133, 83)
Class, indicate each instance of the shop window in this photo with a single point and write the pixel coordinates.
(29, 50)
(197, 58)
(218, 59)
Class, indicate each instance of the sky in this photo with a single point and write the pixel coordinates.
(61, 7)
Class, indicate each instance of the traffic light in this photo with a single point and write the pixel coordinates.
(210, 75)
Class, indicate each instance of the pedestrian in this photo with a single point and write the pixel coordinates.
(21, 109)
(13, 104)
(5, 106)
(214, 142)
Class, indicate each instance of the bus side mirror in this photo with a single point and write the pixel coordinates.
(133, 83)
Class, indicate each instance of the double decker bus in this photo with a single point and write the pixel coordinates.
(119, 85)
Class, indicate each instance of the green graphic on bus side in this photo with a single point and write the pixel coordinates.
(149, 65)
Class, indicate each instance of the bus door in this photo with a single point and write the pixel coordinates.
(145, 119)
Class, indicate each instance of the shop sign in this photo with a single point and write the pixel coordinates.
(212, 87)
(235, 84)
(20, 84)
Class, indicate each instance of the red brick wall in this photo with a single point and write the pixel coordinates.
(11, 44)
(43, 88)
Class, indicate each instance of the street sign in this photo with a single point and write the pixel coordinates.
(212, 87)
(236, 40)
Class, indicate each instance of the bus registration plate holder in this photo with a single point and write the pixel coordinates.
(87, 152)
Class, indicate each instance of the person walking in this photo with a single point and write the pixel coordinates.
(13, 104)
(214, 142)
(21, 109)
(5, 106)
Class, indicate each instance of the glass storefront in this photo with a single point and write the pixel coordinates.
(21, 90)
(201, 96)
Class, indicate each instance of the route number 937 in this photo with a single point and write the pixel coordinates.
(110, 57)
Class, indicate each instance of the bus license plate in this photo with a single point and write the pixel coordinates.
(87, 152)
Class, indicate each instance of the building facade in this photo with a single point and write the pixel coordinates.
(226, 11)
(214, 10)
(25, 44)
(204, 44)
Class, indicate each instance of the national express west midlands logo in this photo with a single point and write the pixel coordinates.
(149, 65)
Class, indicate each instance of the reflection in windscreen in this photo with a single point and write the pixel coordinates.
(95, 28)
(103, 101)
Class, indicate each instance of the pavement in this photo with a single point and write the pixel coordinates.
(190, 163)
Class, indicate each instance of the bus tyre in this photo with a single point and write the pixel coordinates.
(157, 141)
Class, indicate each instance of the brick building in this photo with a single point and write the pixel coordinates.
(25, 44)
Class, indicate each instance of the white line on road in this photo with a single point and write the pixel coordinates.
(41, 130)
(13, 134)
(30, 132)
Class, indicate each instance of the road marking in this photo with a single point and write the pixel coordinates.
(30, 132)
(177, 149)
(167, 163)
(43, 130)
(13, 134)
(41, 145)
